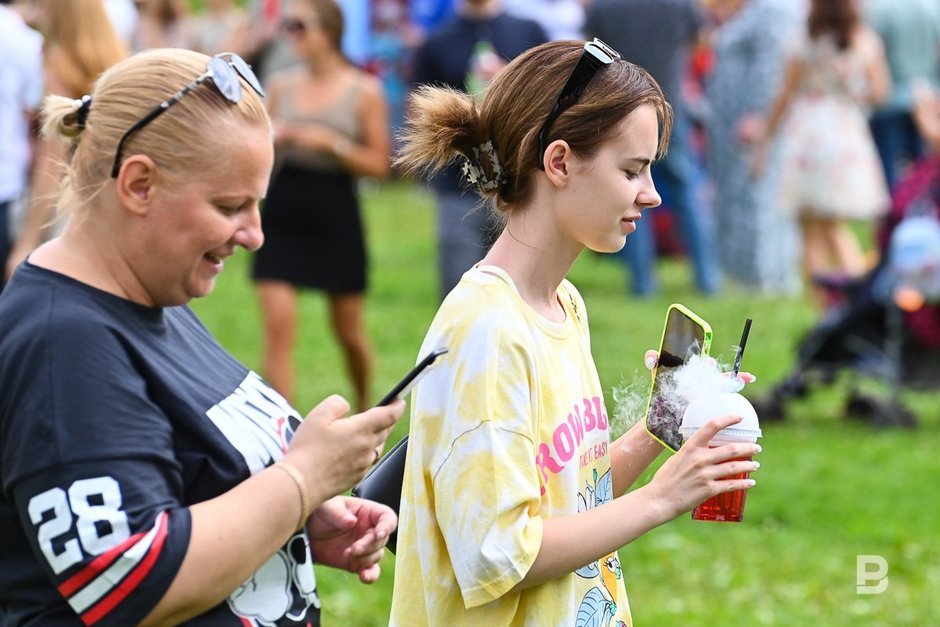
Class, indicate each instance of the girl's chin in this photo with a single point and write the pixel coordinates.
(609, 247)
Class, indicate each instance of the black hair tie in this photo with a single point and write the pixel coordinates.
(82, 113)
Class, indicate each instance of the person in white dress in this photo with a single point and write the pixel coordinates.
(829, 170)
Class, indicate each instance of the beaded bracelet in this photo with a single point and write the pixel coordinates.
(305, 508)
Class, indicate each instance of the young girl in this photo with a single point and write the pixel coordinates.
(508, 513)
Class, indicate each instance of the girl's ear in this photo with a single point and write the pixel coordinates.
(557, 162)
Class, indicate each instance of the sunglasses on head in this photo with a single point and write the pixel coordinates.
(224, 69)
(596, 54)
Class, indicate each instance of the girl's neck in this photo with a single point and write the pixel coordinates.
(536, 259)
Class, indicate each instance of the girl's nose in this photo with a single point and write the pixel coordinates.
(648, 196)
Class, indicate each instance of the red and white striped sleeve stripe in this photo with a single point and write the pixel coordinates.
(103, 584)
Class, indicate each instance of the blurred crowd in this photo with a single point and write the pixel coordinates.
(795, 119)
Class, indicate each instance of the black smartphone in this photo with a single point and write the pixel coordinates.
(411, 379)
(684, 334)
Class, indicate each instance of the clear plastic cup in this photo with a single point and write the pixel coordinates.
(729, 506)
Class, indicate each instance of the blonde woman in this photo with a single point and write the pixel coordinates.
(147, 476)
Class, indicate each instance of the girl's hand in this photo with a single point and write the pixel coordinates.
(696, 472)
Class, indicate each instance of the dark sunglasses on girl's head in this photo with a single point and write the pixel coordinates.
(224, 69)
(596, 54)
(293, 26)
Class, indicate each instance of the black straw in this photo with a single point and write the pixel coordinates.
(741, 344)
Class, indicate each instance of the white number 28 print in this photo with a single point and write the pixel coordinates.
(95, 506)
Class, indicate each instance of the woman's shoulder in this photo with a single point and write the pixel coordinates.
(866, 40)
(64, 309)
(369, 84)
(486, 300)
(55, 325)
(493, 281)
(365, 88)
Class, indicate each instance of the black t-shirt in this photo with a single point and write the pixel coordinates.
(445, 56)
(114, 419)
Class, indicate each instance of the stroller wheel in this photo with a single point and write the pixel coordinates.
(861, 407)
(799, 387)
(893, 414)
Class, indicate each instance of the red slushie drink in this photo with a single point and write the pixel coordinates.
(729, 506)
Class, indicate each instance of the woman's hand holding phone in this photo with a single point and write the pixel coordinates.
(333, 451)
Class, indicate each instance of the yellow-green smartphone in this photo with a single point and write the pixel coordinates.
(684, 334)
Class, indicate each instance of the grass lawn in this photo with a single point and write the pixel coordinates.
(828, 491)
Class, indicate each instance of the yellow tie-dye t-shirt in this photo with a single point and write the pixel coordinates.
(508, 429)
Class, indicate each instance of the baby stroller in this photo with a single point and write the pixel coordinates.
(888, 325)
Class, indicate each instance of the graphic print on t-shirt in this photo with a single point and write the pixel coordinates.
(281, 591)
(599, 606)
(257, 421)
(260, 424)
(568, 446)
(566, 440)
